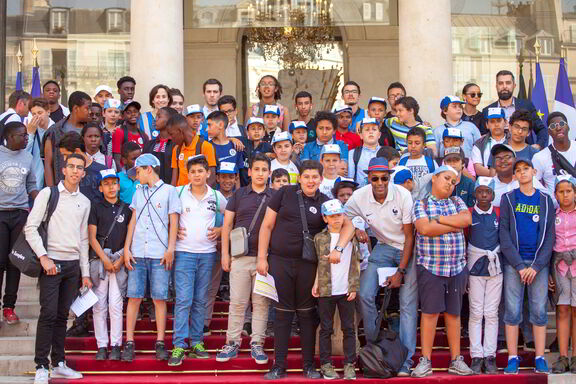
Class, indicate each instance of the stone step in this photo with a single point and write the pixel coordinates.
(17, 345)
(28, 294)
(17, 365)
(16, 379)
(26, 281)
(26, 327)
(27, 309)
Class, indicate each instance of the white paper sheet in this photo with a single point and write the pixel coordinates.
(84, 302)
(384, 273)
(265, 286)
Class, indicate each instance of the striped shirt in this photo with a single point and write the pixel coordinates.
(443, 255)
(147, 124)
(399, 131)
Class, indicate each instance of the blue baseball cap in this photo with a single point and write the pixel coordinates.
(144, 160)
(332, 207)
(281, 136)
(112, 103)
(343, 108)
(297, 125)
(496, 113)
(254, 120)
(376, 99)
(369, 120)
(483, 181)
(108, 174)
(345, 180)
(447, 100)
(401, 174)
(328, 149)
(227, 167)
(378, 164)
(561, 178)
(273, 109)
(194, 108)
(445, 168)
(452, 132)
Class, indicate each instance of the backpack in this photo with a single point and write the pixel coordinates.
(429, 162)
(356, 159)
(3, 124)
(384, 358)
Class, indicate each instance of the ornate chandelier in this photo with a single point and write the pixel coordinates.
(295, 34)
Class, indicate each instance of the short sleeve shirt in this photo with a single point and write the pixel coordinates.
(244, 203)
(118, 140)
(102, 215)
(443, 255)
(286, 240)
(400, 131)
(187, 151)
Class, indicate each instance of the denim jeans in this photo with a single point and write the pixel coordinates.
(192, 275)
(514, 297)
(384, 255)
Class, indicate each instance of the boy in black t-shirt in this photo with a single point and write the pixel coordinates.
(107, 227)
(161, 146)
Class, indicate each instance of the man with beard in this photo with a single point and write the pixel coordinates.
(505, 85)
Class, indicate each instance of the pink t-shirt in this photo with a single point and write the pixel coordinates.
(565, 233)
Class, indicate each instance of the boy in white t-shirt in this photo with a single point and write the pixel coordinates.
(337, 281)
(195, 256)
(282, 145)
(330, 160)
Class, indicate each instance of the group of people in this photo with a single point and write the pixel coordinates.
(156, 206)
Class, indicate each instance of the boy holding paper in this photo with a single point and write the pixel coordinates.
(246, 210)
(337, 282)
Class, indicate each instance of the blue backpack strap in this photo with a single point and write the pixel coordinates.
(429, 163)
(404, 160)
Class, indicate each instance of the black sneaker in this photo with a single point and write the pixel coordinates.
(490, 367)
(115, 353)
(502, 347)
(128, 352)
(78, 330)
(102, 354)
(529, 346)
(275, 373)
(161, 353)
(206, 331)
(310, 372)
(476, 366)
(247, 329)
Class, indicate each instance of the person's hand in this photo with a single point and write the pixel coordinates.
(237, 144)
(362, 236)
(333, 257)
(181, 233)
(551, 284)
(395, 280)
(86, 283)
(214, 233)
(530, 275)
(426, 123)
(33, 124)
(351, 296)
(226, 262)
(343, 172)
(315, 291)
(297, 148)
(536, 146)
(48, 265)
(168, 259)
(128, 260)
(270, 155)
(118, 264)
(108, 266)
(262, 267)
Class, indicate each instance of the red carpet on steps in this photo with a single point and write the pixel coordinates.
(146, 369)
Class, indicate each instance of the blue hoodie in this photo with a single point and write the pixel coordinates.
(509, 233)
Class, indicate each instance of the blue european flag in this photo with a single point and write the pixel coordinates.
(36, 90)
(539, 95)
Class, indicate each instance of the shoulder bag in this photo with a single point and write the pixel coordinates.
(239, 236)
(308, 246)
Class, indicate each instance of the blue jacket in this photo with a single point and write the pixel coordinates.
(509, 233)
(538, 127)
(312, 150)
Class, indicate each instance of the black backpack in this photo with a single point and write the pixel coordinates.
(384, 358)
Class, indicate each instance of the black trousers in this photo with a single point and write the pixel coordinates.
(326, 309)
(294, 279)
(57, 293)
(11, 224)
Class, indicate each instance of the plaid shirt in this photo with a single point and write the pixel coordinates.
(443, 255)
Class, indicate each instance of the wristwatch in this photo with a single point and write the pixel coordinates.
(402, 270)
(433, 218)
(339, 248)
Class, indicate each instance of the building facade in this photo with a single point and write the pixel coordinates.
(433, 47)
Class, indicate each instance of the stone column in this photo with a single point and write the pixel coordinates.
(156, 45)
(425, 53)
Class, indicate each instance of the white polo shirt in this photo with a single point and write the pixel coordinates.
(385, 220)
(197, 217)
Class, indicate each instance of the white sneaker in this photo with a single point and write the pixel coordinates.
(41, 376)
(63, 372)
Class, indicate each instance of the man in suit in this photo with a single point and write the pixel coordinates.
(505, 85)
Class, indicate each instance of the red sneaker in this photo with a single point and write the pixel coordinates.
(10, 317)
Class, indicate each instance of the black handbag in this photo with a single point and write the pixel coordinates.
(22, 256)
(308, 246)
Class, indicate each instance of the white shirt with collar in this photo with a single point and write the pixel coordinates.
(481, 212)
(385, 220)
(233, 130)
(207, 110)
(198, 216)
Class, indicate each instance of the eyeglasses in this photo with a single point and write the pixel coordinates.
(72, 166)
(520, 128)
(500, 159)
(350, 92)
(375, 179)
(474, 94)
(558, 125)
(25, 134)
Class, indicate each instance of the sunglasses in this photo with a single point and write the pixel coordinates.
(473, 94)
(375, 179)
(555, 126)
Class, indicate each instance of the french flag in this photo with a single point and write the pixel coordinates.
(564, 101)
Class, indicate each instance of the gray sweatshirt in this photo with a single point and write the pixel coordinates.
(67, 230)
(17, 178)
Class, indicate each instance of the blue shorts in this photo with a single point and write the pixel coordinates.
(148, 272)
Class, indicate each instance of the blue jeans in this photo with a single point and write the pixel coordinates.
(192, 276)
(514, 297)
(384, 255)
